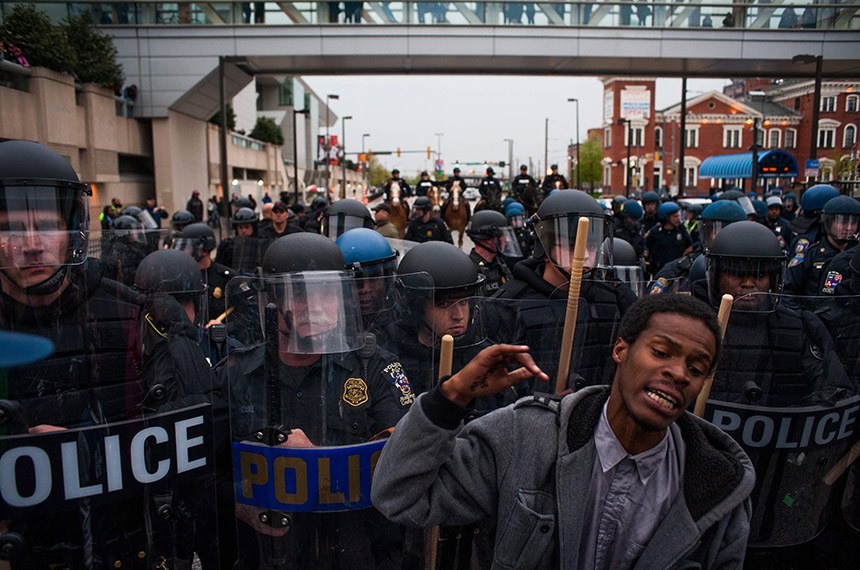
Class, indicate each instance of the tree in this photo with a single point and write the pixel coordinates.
(231, 118)
(591, 163)
(94, 53)
(43, 43)
(377, 174)
(267, 130)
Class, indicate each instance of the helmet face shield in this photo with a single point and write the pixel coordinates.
(191, 246)
(708, 230)
(633, 276)
(753, 282)
(318, 311)
(42, 228)
(558, 237)
(841, 227)
(335, 225)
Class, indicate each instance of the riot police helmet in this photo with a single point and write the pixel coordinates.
(40, 192)
(133, 211)
(319, 203)
(490, 230)
(650, 196)
(556, 224)
(746, 261)
(774, 201)
(815, 197)
(760, 209)
(182, 218)
(695, 209)
(422, 203)
(632, 209)
(367, 253)
(698, 270)
(197, 240)
(523, 168)
(718, 215)
(490, 171)
(303, 276)
(624, 253)
(175, 273)
(515, 214)
(840, 217)
(626, 265)
(506, 201)
(245, 203)
(345, 215)
(436, 277)
(618, 203)
(244, 216)
(666, 210)
(855, 270)
(741, 199)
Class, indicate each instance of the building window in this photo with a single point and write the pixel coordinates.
(638, 134)
(797, 103)
(790, 138)
(607, 138)
(285, 93)
(851, 103)
(607, 178)
(828, 104)
(826, 137)
(658, 137)
(732, 137)
(773, 138)
(850, 137)
(692, 138)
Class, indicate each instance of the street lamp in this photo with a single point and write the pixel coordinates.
(439, 149)
(510, 160)
(816, 101)
(343, 121)
(304, 112)
(578, 162)
(327, 145)
(627, 166)
(754, 148)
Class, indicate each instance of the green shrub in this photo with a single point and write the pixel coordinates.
(42, 42)
(94, 52)
(267, 131)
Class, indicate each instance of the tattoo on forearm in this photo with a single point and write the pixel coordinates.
(483, 381)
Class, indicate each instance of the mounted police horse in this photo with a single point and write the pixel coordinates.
(399, 215)
(456, 212)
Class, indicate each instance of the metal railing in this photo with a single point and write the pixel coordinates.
(680, 14)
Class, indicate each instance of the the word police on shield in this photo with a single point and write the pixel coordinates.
(316, 479)
(54, 470)
(795, 429)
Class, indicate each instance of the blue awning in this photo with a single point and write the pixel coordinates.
(771, 164)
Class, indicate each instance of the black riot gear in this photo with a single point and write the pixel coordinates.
(453, 274)
(244, 216)
(180, 219)
(556, 224)
(344, 215)
(168, 271)
(742, 250)
(196, 239)
(486, 224)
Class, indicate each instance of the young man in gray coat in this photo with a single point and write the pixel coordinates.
(609, 477)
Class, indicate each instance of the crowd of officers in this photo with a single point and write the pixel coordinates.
(308, 328)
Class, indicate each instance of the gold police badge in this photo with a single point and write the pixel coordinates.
(355, 392)
(217, 292)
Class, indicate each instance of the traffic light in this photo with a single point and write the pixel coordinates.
(428, 152)
(398, 152)
(502, 164)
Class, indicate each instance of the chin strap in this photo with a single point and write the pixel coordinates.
(48, 286)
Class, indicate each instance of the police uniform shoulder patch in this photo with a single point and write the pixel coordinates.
(799, 252)
(659, 286)
(398, 378)
(833, 279)
(217, 293)
(355, 392)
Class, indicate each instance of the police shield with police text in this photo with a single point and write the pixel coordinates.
(310, 407)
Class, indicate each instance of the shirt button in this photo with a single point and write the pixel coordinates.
(298, 394)
(544, 528)
(355, 425)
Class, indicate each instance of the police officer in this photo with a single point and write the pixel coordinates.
(424, 184)
(423, 227)
(48, 286)
(491, 191)
(494, 240)
(650, 203)
(808, 274)
(461, 182)
(405, 189)
(525, 190)
(242, 252)
(322, 386)
(180, 219)
(774, 220)
(627, 225)
(516, 216)
(692, 215)
(126, 248)
(553, 181)
(677, 274)
(806, 226)
(345, 215)
(773, 356)
(198, 240)
(543, 280)
(667, 241)
(789, 206)
(284, 221)
(369, 256)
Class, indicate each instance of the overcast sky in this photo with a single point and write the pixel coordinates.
(474, 113)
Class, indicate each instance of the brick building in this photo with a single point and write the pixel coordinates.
(778, 112)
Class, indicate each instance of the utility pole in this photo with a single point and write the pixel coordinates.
(510, 160)
(343, 121)
(545, 146)
(578, 176)
(682, 172)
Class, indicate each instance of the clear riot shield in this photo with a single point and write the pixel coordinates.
(310, 407)
(106, 452)
(242, 254)
(791, 449)
(120, 251)
(783, 393)
(539, 323)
